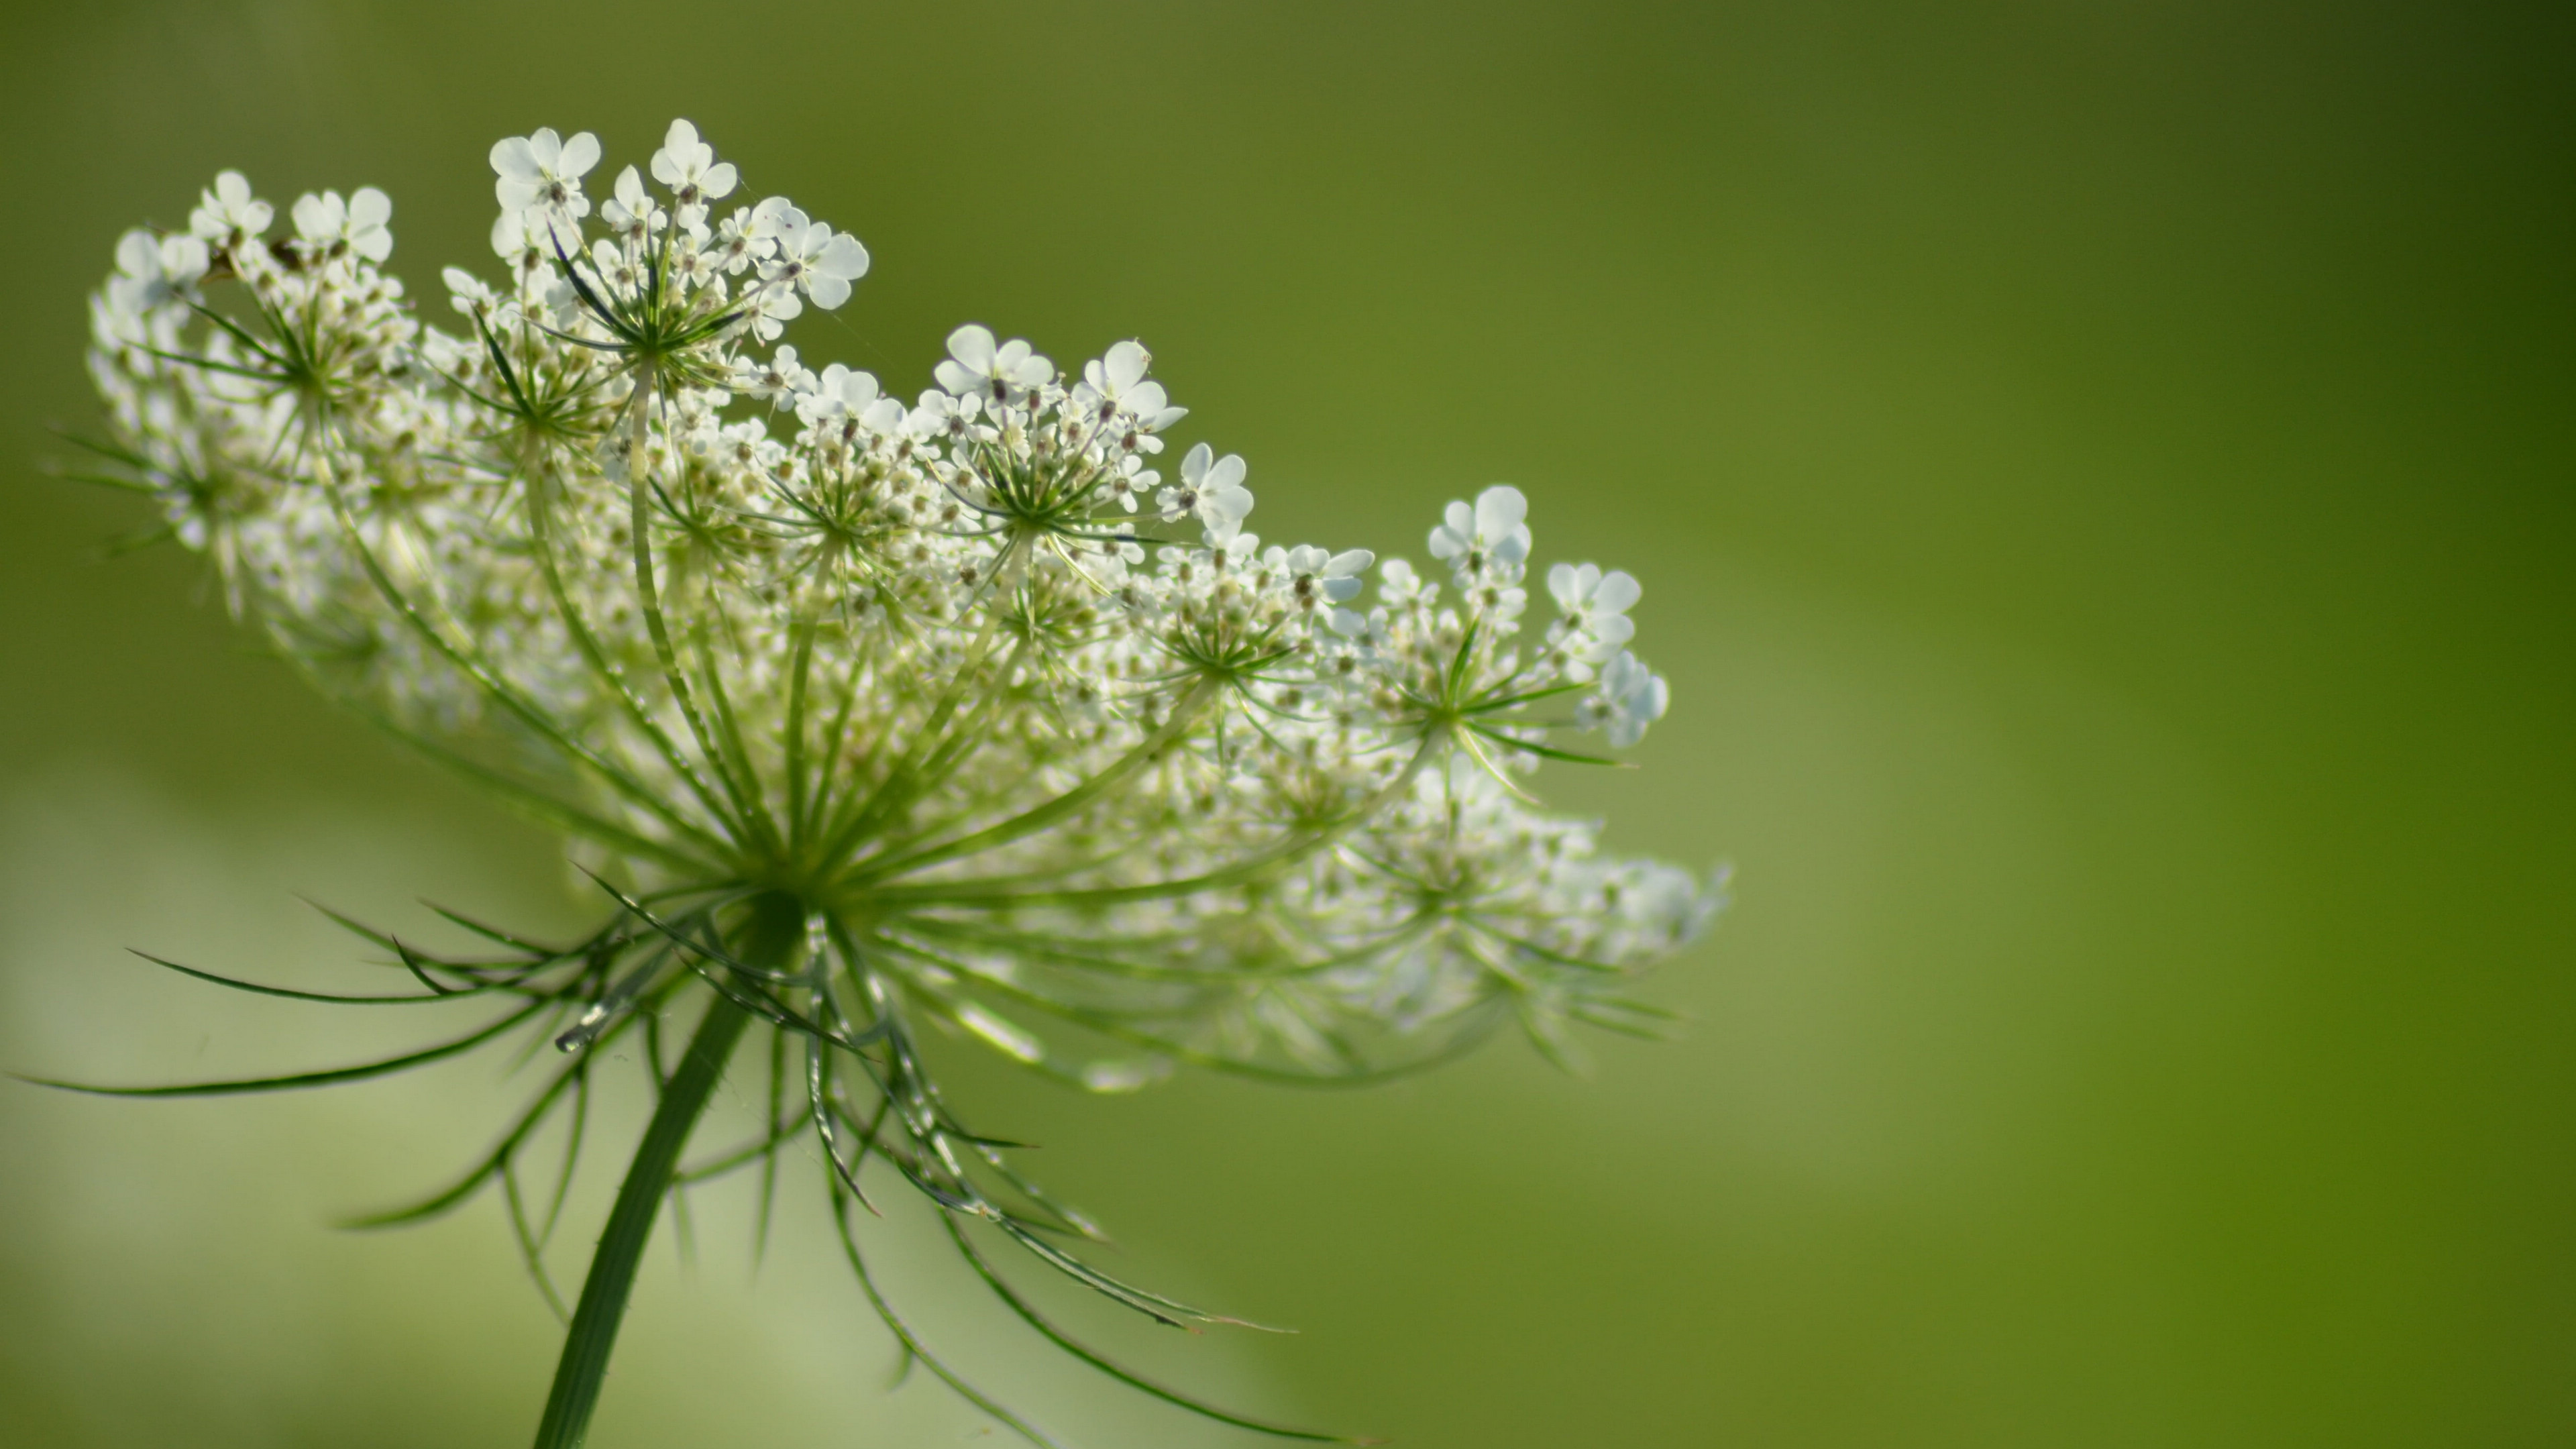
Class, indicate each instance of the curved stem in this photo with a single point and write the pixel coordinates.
(776, 926)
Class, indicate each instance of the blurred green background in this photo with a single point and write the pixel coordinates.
(2101, 477)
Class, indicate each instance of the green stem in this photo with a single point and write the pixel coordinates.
(777, 925)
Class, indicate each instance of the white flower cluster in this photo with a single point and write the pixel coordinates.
(1054, 749)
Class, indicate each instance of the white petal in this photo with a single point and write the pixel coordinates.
(138, 255)
(718, 180)
(973, 346)
(370, 207)
(843, 258)
(1566, 586)
(1126, 366)
(828, 291)
(579, 155)
(512, 159)
(1228, 472)
(1350, 563)
(316, 218)
(1618, 592)
(1195, 466)
(1499, 510)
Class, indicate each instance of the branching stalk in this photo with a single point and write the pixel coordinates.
(776, 926)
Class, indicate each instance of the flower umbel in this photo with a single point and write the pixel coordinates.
(873, 717)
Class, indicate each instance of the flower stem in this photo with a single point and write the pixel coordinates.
(776, 925)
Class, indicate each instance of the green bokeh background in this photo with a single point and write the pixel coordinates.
(2101, 473)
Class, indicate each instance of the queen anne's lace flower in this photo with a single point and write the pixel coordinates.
(1116, 385)
(994, 371)
(1489, 534)
(813, 259)
(155, 277)
(331, 228)
(1630, 699)
(1592, 612)
(543, 173)
(629, 212)
(688, 167)
(227, 214)
(1211, 490)
(882, 718)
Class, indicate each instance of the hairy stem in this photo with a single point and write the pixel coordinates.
(775, 928)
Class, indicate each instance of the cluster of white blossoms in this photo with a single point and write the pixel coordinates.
(1031, 713)
(1027, 732)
